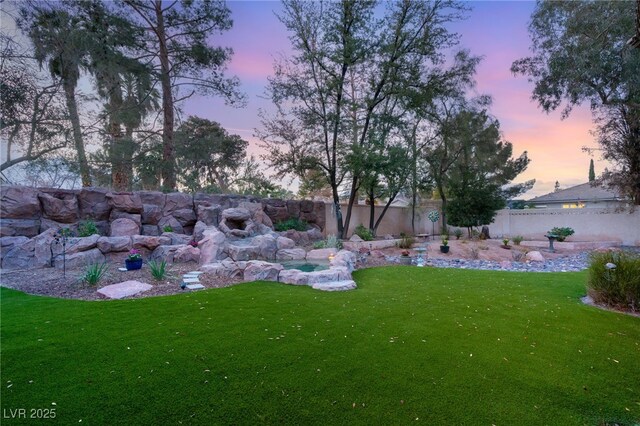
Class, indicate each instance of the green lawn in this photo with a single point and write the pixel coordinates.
(411, 345)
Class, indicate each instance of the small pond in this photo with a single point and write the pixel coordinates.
(305, 266)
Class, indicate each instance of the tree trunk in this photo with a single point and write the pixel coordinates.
(372, 211)
(352, 198)
(168, 157)
(70, 95)
(336, 205)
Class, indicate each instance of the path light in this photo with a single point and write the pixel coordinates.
(610, 265)
(331, 257)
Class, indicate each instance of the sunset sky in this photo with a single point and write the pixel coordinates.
(495, 30)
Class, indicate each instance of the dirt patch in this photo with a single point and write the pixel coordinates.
(51, 282)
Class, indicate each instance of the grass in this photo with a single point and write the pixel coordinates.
(431, 346)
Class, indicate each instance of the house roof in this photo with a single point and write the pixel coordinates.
(583, 192)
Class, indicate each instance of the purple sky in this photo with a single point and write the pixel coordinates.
(496, 30)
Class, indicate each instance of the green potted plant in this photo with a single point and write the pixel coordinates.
(444, 248)
(134, 260)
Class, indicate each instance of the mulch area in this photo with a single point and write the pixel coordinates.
(52, 282)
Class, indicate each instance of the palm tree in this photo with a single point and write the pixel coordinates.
(60, 41)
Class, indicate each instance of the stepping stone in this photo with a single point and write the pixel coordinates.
(124, 289)
(190, 280)
(195, 286)
(123, 269)
(190, 276)
(194, 273)
(336, 285)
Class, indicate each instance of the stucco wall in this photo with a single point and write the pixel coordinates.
(593, 224)
(395, 221)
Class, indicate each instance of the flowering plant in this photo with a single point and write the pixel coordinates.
(404, 253)
(134, 254)
(445, 241)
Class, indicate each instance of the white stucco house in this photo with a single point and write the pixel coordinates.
(579, 196)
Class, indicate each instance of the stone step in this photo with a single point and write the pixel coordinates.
(336, 285)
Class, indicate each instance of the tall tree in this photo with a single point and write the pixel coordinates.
(580, 55)
(347, 65)
(208, 155)
(592, 171)
(480, 180)
(123, 81)
(33, 120)
(178, 46)
(60, 41)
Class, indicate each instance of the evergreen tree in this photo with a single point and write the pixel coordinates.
(592, 171)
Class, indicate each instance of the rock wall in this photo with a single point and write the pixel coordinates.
(27, 212)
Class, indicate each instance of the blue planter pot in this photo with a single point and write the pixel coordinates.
(132, 265)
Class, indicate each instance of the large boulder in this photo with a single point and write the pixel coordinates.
(46, 245)
(21, 256)
(166, 253)
(346, 259)
(151, 214)
(186, 217)
(114, 244)
(187, 253)
(124, 289)
(267, 246)
(150, 230)
(19, 202)
(128, 202)
(291, 254)
(60, 206)
(257, 213)
(285, 243)
(19, 227)
(211, 245)
(177, 201)
(534, 256)
(94, 204)
(257, 270)
(81, 259)
(237, 222)
(209, 215)
(75, 245)
(243, 250)
(8, 243)
(292, 276)
(124, 227)
(198, 230)
(117, 214)
(177, 238)
(321, 254)
(171, 222)
(224, 269)
(149, 242)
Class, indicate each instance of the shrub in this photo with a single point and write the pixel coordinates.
(333, 242)
(320, 244)
(94, 273)
(291, 223)
(158, 269)
(457, 233)
(87, 228)
(562, 233)
(445, 241)
(405, 242)
(505, 241)
(167, 228)
(614, 279)
(517, 239)
(364, 233)
(475, 253)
